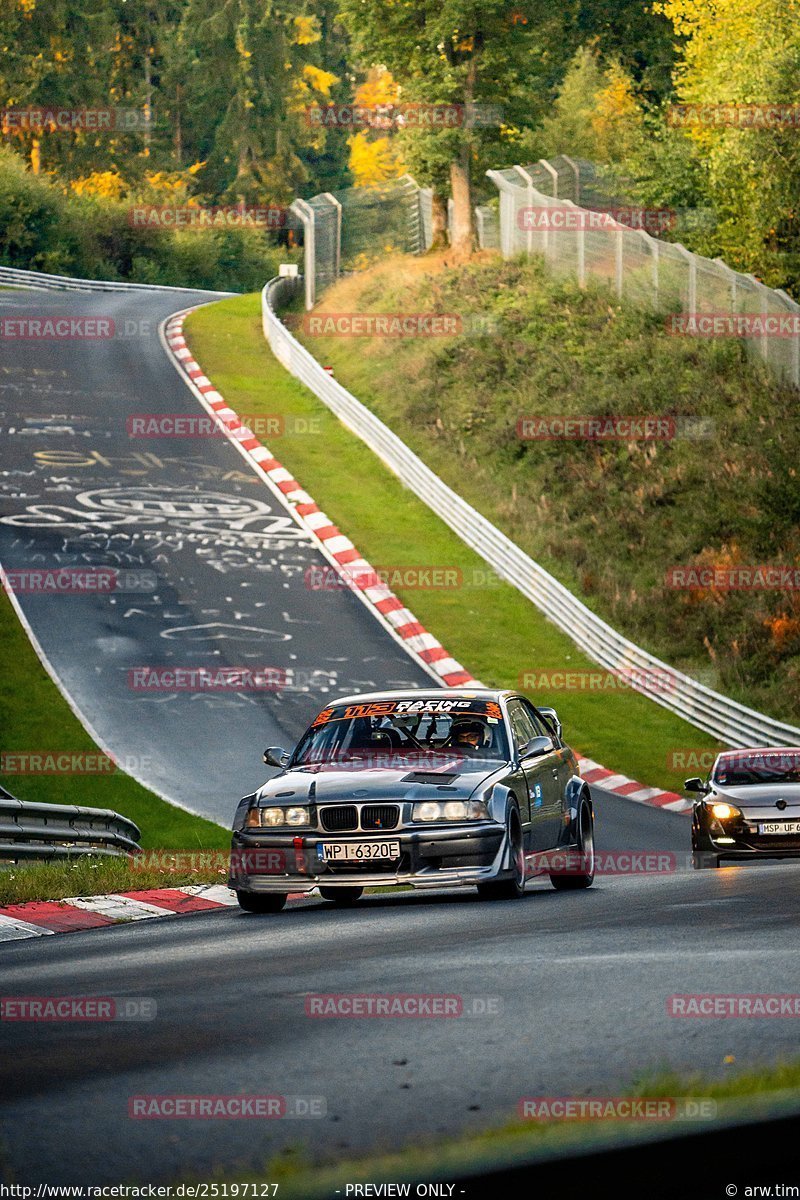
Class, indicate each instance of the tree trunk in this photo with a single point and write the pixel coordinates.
(178, 135)
(461, 233)
(438, 221)
(148, 101)
(461, 240)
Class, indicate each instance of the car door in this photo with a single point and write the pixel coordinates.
(541, 777)
(561, 772)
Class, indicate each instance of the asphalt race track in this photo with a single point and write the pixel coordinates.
(579, 983)
(572, 988)
(217, 568)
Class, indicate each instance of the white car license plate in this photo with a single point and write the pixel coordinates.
(358, 851)
(770, 828)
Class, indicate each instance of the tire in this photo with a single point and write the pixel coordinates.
(513, 888)
(573, 883)
(258, 902)
(342, 897)
(704, 860)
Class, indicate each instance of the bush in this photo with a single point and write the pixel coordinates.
(43, 229)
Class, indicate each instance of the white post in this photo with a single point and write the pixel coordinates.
(794, 309)
(306, 214)
(529, 185)
(692, 261)
(329, 196)
(553, 175)
(580, 237)
(571, 163)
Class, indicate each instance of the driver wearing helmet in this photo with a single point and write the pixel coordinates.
(466, 733)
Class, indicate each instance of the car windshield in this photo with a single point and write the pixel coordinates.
(425, 733)
(740, 770)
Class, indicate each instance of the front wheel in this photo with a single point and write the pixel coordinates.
(261, 902)
(513, 888)
(585, 851)
(341, 896)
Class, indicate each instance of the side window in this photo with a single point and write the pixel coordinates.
(539, 724)
(521, 724)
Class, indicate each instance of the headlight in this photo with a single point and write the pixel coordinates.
(724, 812)
(272, 818)
(450, 810)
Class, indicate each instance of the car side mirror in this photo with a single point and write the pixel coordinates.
(538, 746)
(696, 785)
(551, 716)
(276, 756)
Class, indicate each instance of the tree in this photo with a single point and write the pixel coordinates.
(249, 72)
(476, 54)
(743, 52)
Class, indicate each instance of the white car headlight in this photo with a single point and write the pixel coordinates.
(272, 818)
(450, 810)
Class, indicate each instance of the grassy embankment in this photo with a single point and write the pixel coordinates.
(493, 630)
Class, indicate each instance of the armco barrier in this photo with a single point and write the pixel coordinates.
(732, 723)
(40, 281)
(30, 830)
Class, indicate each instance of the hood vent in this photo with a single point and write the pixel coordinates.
(435, 777)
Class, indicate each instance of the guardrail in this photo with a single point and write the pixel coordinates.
(32, 830)
(40, 281)
(731, 723)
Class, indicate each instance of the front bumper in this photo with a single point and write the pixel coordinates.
(459, 856)
(745, 842)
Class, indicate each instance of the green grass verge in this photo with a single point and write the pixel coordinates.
(93, 876)
(34, 716)
(758, 1094)
(494, 631)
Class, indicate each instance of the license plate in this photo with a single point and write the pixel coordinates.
(771, 828)
(357, 851)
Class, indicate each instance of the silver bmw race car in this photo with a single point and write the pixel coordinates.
(451, 788)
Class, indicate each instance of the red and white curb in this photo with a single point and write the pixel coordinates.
(620, 785)
(39, 917)
(351, 565)
(338, 549)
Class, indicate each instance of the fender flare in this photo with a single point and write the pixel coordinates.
(577, 794)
